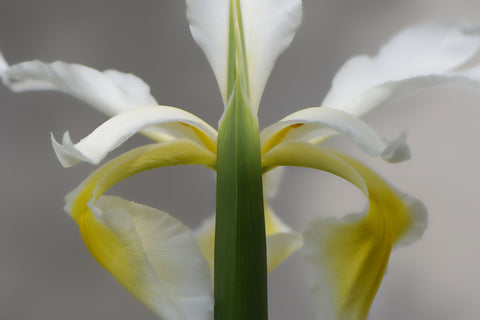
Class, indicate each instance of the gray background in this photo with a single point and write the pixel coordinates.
(47, 273)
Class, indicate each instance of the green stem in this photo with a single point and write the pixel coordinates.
(240, 247)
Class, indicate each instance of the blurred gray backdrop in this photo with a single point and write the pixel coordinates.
(46, 271)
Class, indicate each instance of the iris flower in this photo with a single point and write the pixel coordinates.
(170, 267)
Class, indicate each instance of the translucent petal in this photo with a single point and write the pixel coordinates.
(118, 129)
(418, 57)
(316, 124)
(152, 254)
(268, 28)
(347, 257)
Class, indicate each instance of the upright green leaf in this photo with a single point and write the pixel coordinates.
(240, 247)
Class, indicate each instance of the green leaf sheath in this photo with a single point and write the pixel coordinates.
(240, 248)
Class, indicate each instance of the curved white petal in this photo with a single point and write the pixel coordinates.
(153, 255)
(318, 123)
(208, 21)
(118, 129)
(110, 92)
(386, 93)
(268, 28)
(421, 54)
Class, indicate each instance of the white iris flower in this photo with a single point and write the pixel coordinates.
(170, 267)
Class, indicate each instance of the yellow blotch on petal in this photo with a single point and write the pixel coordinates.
(150, 253)
(278, 137)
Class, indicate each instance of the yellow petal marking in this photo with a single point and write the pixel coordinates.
(352, 254)
(278, 137)
(208, 142)
(177, 152)
(110, 251)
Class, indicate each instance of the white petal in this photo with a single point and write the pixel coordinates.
(386, 93)
(153, 255)
(268, 27)
(317, 123)
(421, 51)
(118, 129)
(110, 92)
(209, 27)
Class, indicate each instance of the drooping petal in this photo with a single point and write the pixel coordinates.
(110, 92)
(152, 254)
(347, 257)
(316, 124)
(417, 58)
(118, 129)
(268, 28)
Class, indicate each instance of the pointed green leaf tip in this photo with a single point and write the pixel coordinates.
(240, 247)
